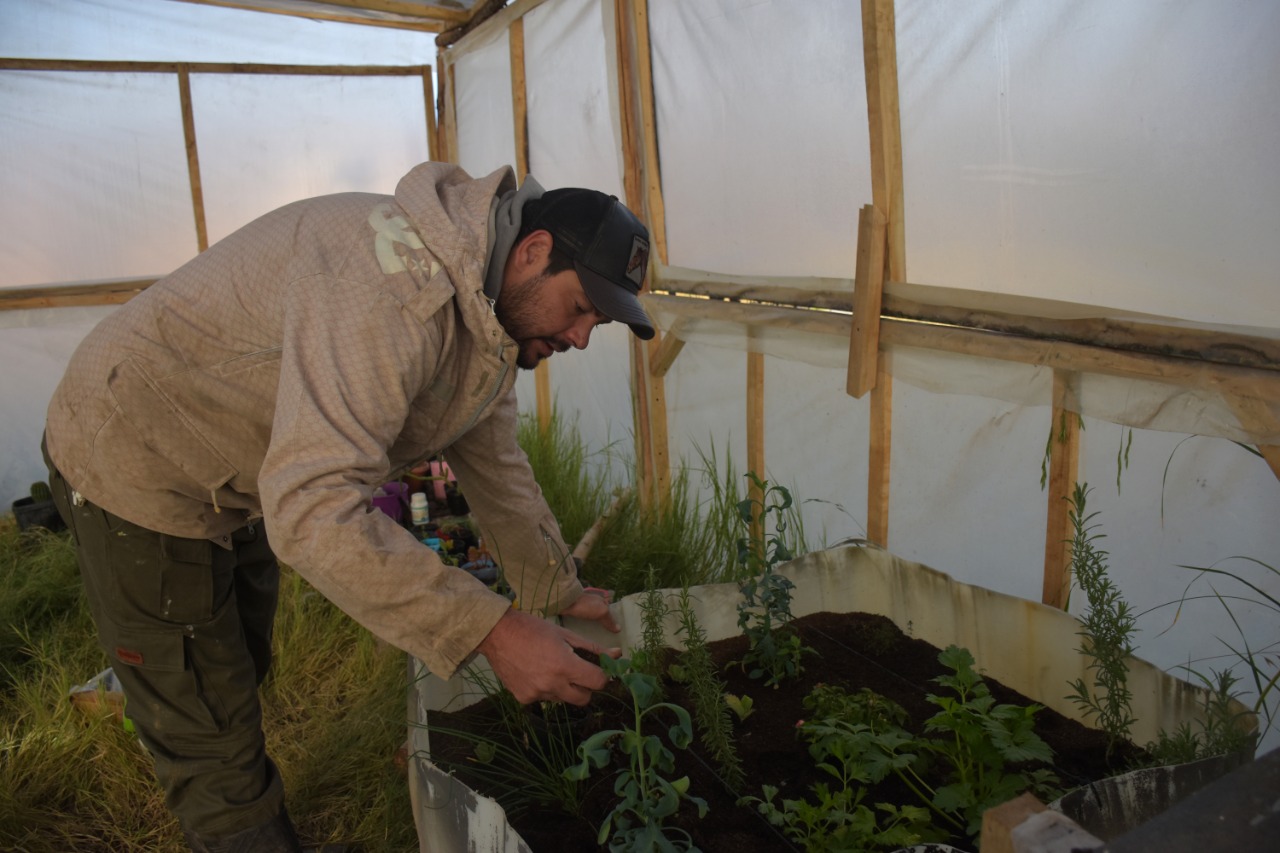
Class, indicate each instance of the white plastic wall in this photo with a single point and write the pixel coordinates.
(1121, 155)
(1114, 156)
(93, 169)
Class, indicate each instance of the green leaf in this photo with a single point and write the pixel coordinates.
(954, 798)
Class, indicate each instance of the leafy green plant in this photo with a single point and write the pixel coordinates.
(867, 707)
(971, 741)
(835, 817)
(980, 740)
(742, 706)
(711, 706)
(774, 648)
(1107, 629)
(646, 798)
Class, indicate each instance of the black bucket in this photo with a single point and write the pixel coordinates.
(30, 513)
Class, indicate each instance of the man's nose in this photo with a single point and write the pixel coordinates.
(579, 334)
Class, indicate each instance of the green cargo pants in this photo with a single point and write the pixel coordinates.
(187, 626)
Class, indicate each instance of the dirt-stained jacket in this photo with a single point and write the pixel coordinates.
(296, 365)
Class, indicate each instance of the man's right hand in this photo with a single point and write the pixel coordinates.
(535, 660)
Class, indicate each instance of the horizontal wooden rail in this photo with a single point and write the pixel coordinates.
(69, 295)
(413, 17)
(1206, 345)
(1230, 380)
(132, 67)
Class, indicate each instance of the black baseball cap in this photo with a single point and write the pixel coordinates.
(608, 245)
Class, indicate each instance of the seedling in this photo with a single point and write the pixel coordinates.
(646, 798)
(764, 614)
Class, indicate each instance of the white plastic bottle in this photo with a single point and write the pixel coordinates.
(418, 509)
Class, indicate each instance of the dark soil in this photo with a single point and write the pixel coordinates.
(852, 650)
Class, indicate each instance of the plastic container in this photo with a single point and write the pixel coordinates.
(391, 498)
(418, 509)
(29, 513)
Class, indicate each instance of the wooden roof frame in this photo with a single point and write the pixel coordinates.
(395, 14)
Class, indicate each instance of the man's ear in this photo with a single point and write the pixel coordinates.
(530, 255)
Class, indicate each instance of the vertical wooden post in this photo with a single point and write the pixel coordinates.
(868, 288)
(193, 158)
(519, 98)
(429, 98)
(520, 121)
(643, 187)
(755, 433)
(448, 148)
(878, 457)
(880, 59)
(1064, 465)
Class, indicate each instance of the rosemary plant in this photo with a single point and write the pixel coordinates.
(653, 651)
(711, 708)
(1108, 628)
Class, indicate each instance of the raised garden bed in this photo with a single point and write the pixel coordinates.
(1016, 643)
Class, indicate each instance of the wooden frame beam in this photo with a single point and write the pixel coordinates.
(642, 185)
(429, 101)
(665, 354)
(116, 292)
(193, 159)
(1064, 471)
(132, 67)
(755, 437)
(868, 290)
(413, 17)
(1148, 338)
(520, 124)
(880, 60)
(1233, 383)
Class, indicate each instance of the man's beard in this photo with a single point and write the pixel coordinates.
(519, 312)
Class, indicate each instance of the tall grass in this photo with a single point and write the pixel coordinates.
(574, 482)
(1259, 664)
(688, 540)
(334, 715)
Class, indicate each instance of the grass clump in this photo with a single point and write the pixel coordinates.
(39, 594)
(687, 540)
(334, 716)
(519, 753)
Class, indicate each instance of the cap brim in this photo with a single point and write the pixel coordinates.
(615, 302)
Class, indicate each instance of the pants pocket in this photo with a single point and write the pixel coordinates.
(165, 697)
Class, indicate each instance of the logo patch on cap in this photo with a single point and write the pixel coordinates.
(639, 260)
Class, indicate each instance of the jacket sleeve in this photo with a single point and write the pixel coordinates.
(352, 360)
(518, 526)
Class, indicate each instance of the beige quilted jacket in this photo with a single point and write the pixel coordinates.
(296, 365)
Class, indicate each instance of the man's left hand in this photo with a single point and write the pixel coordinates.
(593, 606)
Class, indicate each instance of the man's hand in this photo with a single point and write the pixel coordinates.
(593, 606)
(536, 661)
